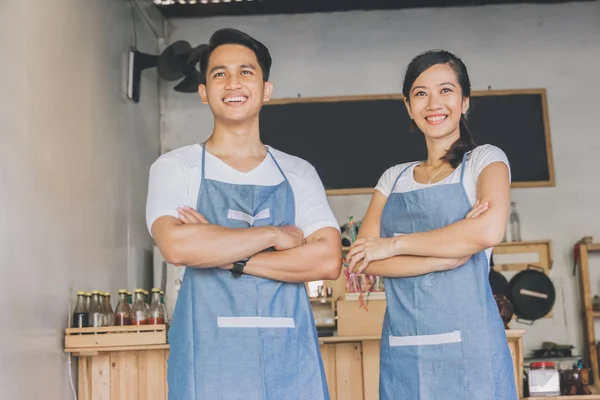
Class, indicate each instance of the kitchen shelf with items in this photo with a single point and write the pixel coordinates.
(591, 308)
(135, 321)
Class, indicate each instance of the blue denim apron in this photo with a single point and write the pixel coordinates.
(442, 338)
(243, 338)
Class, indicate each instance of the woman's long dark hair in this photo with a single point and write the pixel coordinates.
(426, 60)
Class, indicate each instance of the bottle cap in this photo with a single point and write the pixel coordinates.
(122, 291)
(155, 290)
(139, 290)
(95, 292)
(87, 294)
(80, 293)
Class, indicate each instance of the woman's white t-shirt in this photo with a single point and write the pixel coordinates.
(477, 160)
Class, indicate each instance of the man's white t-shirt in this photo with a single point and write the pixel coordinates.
(175, 182)
(477, 160)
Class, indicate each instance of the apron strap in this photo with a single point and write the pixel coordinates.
(201, 175)
(277, 164)
(203, 162)
(463, 165)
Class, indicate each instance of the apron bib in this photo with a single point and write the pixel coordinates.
(245, 338)
(442, 337)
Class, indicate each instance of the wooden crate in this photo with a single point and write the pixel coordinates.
(124, 374)
(115, 336)
(353, 320)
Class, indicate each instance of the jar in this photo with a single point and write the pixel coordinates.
(544, 379)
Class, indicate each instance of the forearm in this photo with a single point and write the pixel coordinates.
(404, 266)
(208, 245)
(316, 260)
(463, 238)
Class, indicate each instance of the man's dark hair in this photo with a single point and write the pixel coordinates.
(233, 36)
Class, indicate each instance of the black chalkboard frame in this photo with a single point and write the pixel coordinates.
(535, 91)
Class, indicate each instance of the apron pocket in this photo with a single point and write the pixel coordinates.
(258, 356)
(280, 358)
(439, 368)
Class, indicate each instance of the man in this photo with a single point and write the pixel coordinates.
(251, 224)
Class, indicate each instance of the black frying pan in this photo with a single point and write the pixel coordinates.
(532, 294)
(498, 282)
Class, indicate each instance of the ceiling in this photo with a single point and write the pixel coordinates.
(210, 8)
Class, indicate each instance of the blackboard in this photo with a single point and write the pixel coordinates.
(351, 141)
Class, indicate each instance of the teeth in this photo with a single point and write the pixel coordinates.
(437, 118)
(235, 99)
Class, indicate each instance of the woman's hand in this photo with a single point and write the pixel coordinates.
(363, 251)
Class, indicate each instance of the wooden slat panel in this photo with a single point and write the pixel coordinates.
(124, 375)
(151, 375)
(348, 371)
(100, 377)
(166, 382)
(84, 371)
(115, 339)
(328, 355)
(370, 369)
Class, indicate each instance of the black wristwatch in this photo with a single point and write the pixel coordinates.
(238, 267)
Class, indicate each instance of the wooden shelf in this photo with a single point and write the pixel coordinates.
(583, 247)
(593, 246)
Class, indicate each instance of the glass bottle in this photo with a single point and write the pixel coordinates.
(515, 223)
(109, 315)
(164, 306)
(129, 299)
(81, 314)
(103, 311)
(95, 312)
(147, 300)
(123, 311)
(88, 300)
(156, 316)
(139, 314)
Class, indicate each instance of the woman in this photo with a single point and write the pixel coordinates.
(429, 231)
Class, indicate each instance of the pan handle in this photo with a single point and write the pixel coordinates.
(529, 266)
(524, 321)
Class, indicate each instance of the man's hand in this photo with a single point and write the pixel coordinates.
(288, 237)
(188, 215)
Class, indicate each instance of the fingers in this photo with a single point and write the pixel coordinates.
(478, 209)
(353, 261)
(188, 215)
(356, 247)
(362, 266)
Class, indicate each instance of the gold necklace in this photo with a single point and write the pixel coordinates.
(429, 180)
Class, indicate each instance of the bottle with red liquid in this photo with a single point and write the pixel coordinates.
(156, 315)
(123, 311)
(139, 314)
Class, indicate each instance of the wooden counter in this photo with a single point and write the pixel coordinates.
(140, 372)
(352, 365)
